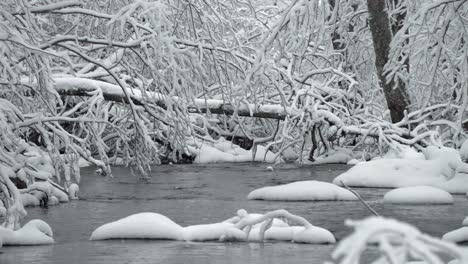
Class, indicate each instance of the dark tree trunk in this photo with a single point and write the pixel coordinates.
(395, 93)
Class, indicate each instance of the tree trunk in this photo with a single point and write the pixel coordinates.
(395, 93)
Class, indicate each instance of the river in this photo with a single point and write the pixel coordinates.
(198, 194)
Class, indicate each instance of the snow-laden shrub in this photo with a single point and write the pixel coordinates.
(396, 243)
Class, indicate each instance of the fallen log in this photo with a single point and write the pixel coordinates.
(73, 86)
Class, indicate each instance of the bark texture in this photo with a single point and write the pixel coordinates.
(395, 93)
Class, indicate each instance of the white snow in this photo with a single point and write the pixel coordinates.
(209, 232)
(46, 187)
(225, 151)
(465, 221)
(29, 200)
(2, 210)
(438, 170)
(73, 190)
(458, 235)
(157, 226)
(397, 242)
(353, 161)
(302, 191)
(142, 225)
(53, 200)
(339, 156)
(464, 151)
(35, 232)
(418, 195)
(297, 234)
(403, 152)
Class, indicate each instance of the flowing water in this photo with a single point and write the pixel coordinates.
(198, 194)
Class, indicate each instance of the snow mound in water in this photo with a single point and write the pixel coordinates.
(35, 232)
(458, 235)
(302, 191)
(396, 173)
(418, 195)
(465, 221)
(141, 226)
(157, 226)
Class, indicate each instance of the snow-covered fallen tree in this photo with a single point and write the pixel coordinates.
(396, 243)
(274, 225)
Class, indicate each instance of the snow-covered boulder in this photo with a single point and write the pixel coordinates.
(73, 190)
(35, 232)
(418, 195)
(140, 226)
(46, 188)
(457, 236)
(302, 191)
(225, 151)
(465, 221)
(341, 156)
(396, 173)
(53, 200)
(28, 199)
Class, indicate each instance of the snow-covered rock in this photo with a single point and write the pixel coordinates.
(465, 221)
(73, 190)
(28, 199)
(342, 156)
(53, 200)
(458, 235)
(302, 191)
(35, 232)
(396, 173)
(418, 195)
(225, 151)
(141, 226)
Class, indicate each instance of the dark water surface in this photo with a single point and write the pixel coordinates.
(198, 194)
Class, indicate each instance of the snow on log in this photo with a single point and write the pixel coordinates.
(74, 86)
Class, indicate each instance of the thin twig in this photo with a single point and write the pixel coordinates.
(360, 198)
